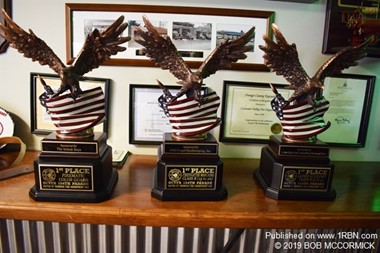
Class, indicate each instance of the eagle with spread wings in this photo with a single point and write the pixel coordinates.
(98, 47)
(163, 52)
(283, 59)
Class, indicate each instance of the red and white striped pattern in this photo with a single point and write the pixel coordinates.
(72, 116)
(303, 121)
(187, 118)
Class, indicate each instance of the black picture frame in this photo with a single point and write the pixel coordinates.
(40, 122)
(7, 6)
(254, 120)
(337, 35)
(350, 98)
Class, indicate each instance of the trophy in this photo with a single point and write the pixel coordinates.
(189, 166)
(296, 165)
(75, 164)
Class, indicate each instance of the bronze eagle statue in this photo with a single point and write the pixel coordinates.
(163, 52)
(282, 58)
(98, 47)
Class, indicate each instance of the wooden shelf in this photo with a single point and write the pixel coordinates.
(357, 204)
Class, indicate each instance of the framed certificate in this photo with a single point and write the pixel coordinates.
(350, 98)
(147, 121)
(247, 115)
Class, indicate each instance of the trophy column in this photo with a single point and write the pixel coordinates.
(296, 171)
(188, 170)
(74, 170)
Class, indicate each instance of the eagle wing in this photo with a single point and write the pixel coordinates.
(29, 44)
(100, 46)
(227, 53)
(283, 59)
(162, 51)
(343, 59)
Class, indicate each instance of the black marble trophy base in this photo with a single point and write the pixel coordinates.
(188, 170)
(74, 170)
(295, 171)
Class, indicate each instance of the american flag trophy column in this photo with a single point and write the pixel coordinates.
(296, 165)
(189, 167)
(75, 164)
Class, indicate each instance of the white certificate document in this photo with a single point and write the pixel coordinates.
(150, 121)
(249, 113)
(346, 97)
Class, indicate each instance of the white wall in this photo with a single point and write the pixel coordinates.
(302, 24)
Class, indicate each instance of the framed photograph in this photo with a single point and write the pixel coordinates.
(39, 119)
(350, 23)
(6, 5)
(195, 31)
(350, 98)
(147, 120)
(247, 116)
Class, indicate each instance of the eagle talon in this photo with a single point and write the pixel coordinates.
(312, 102)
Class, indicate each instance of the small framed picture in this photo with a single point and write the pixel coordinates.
(350, 23)
(350, 98)
(40, 121)
(247, 115)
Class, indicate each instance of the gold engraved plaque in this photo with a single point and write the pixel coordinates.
(66, 178)
(305, 178)
(188, 177)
